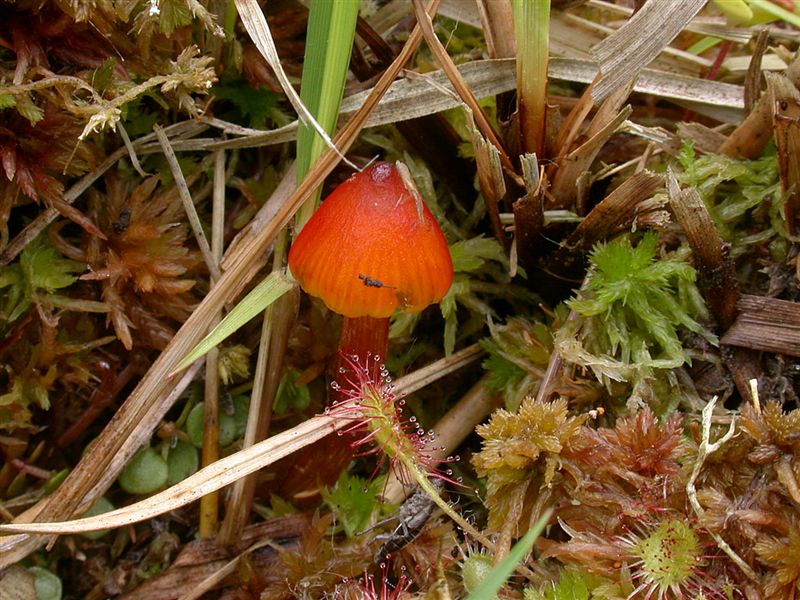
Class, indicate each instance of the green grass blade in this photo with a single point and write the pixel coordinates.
(703, 44)
(331, 30)
(498, 576)
(532, 28)
(776, 11)
(265, 293)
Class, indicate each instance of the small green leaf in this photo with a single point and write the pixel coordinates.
(353, 500)
(173, 14)
(7, 101)
(182, 461)
(241, 406)
(41, 270)
(45, 269)
(265, 293)
(100, 506)
(145, 473)
(195, 425)
(450, 328)
(46, 583)
(16, 298)
(502, 372)
(448, 308)
(470, 255)
(28, 109)
(103, 75)
(571, 585)
(290, 395)
(56, 480)
(259, 107)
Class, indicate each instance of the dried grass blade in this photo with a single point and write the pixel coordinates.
(207, 480)
(461, 87)
(615, 212)
(572, 166)
(625, 53)
(717, 272)
(692, 215)
(411, 98)
(490, 178)
(705, 139)
(710, 26)
(786, 124)
(188, 203)
(497, 22)
(752, 81)
(229, 568)
(275, 330)
(414, 97)
(209, 505)
(767, 325)
(753, 133)
(529, 216)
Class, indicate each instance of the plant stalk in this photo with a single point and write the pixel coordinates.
(209, 505)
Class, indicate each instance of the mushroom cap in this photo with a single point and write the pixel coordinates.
(373, 247)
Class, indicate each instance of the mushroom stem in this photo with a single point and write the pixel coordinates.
(321, 464)
(364, 338)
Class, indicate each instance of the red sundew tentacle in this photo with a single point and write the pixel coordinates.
(368, 399)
